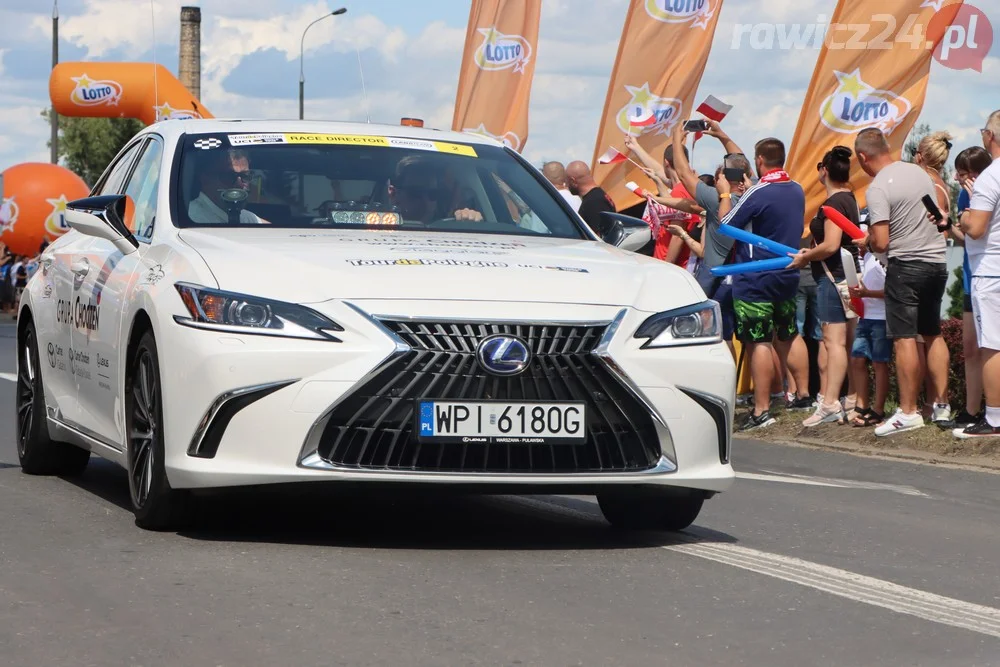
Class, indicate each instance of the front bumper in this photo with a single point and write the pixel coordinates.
(246, 410)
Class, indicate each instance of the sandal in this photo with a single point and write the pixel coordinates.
(867, 418)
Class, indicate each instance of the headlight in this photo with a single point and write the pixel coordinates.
(239, 313)
(699, 324)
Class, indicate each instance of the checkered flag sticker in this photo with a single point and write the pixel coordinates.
(206, 144)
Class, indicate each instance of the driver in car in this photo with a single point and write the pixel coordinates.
(221, 177)
(415, 190)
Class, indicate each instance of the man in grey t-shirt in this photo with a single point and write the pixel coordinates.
(917, 273)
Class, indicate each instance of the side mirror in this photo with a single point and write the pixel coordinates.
(104, 218)
(625, 232)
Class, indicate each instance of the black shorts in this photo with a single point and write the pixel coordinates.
(967, 303)
(913, 295)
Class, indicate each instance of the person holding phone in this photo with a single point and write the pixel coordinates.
(831, 282)
(916, 276)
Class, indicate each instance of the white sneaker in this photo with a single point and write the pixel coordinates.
(819, 401)
(941, 413)
(899, 423)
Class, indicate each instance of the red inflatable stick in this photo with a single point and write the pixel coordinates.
(838, 218)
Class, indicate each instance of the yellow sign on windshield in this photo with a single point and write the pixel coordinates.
(353, 140)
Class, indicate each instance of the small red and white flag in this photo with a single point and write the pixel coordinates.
(634, 187)
(612, 156)
(714, 108)
(642, 117)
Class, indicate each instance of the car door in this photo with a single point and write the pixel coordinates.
(66, 272)
(101, 273)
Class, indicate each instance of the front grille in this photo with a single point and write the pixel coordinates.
(373, 427)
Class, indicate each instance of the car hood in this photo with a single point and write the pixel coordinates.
(311, 266)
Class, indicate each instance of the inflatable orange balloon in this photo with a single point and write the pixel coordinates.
(34, 204)
(121, 90)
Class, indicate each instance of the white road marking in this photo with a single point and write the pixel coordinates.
(8, 376)
(787, 478)
(842, 583)
(856, 587)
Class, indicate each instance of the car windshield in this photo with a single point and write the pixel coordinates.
(360, 181)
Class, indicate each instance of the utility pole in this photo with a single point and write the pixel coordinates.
(53, 116)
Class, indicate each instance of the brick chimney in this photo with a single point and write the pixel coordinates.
(190, 60)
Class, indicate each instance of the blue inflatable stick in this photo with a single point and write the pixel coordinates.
(774, 264)
(758, 241)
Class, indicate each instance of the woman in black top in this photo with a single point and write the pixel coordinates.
(827, 269)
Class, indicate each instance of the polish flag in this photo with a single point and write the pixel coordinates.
(634, 187)
(612, 156)
(642, 118)
(714, 108)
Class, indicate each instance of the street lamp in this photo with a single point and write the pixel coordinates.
(302, 77)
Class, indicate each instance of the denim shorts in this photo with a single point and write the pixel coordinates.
(870, 342)
(831, 308)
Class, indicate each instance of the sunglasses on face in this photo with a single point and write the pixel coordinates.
(236, 177)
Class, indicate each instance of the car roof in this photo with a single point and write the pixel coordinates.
(173, 129)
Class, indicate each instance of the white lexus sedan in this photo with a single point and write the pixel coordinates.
(254, 302)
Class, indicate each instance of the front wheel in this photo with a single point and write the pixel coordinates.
(156, 506)
(651, 510)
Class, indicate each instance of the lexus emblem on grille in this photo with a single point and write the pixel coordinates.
(503, 355)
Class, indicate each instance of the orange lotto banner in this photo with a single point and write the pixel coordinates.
(876, 79)
(661, 58)
(121, 90)
(498, 65)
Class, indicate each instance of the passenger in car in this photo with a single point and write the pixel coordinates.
(415, 190)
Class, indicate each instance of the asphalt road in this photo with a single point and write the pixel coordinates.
(813, 558)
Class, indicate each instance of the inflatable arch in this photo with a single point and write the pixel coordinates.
(144, 91)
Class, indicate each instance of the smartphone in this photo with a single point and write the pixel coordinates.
(733, 174)
(696, 126)
(932, 208)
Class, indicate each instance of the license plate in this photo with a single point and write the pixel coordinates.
(501, 422)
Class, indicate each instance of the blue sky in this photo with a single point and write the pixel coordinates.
(411, 51)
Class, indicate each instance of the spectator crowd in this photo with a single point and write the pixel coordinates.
(15, 270)
(868, 302)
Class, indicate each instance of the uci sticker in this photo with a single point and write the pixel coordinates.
(252, 139)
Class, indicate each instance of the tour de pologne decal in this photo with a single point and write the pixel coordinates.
(499, 51)
(93, 93)
(855, 105)
(419, 243)
(468, 263)
(666, 111)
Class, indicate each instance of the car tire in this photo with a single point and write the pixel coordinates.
(645, 510)
(155, 504)
(37, 452)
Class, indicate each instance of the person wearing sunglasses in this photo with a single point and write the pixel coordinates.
(221, 178)
(416, 191)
